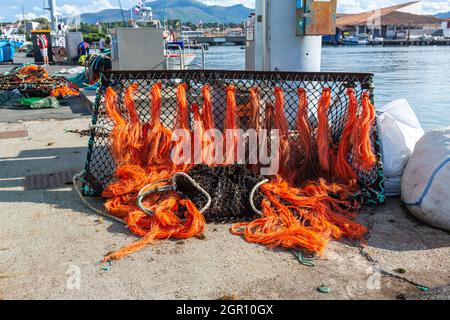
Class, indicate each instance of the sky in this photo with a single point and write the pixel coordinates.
(11, 9)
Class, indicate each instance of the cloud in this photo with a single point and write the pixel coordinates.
(12, 8)
(428, 6)
(38, 9)
(69, 10)
(247, 3)
(354, 6)
(432, 7)
(30, 16)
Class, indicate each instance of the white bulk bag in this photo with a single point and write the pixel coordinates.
(399, 131)
(426, 180)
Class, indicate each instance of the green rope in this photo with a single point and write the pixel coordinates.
(324, 289)
(308, 262)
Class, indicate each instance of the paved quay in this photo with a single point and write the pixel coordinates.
(51, 244)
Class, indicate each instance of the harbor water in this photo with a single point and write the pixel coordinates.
(420, 74)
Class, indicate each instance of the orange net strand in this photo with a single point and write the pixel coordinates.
(182, 119)
(132, 176)
(282, 125)
(119, 135)
(207, 112)
(304, 219)
(323, 134)
(342, 168)
(182, 124)
(129, 102)
(135, 140)
(198, 136)
(366, 154)
(152, 228)
(159, 138)
(64, 91)
(230, 127)
(304, 130)
(255, 124)
(254, 110)
(209, 152)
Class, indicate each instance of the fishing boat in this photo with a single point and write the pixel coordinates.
(12, 35)
(180, 61)
(356, 40)
(176, 54)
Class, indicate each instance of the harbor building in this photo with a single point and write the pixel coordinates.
(446, 28)
(402, 21)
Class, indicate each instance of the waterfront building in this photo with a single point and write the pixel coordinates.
(403, 21)
(446, 28)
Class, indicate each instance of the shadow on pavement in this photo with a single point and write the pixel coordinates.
(393, 228)
(44, 161)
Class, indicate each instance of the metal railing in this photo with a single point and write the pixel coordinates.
(182, 53)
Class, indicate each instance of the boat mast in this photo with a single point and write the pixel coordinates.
(53, 15)
(164, 16)
(23, 16)
(121, 11)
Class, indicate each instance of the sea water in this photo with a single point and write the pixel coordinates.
(420, 74)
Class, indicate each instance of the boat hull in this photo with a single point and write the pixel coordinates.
(174, 60)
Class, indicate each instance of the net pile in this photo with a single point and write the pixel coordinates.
(32, 80)
(328, 153)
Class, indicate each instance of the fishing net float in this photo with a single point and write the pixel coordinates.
(313, 198)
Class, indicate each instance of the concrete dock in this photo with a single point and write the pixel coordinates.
(51, 244)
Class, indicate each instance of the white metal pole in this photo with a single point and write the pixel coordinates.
(277, 47)
(53, 15)
(310, 53)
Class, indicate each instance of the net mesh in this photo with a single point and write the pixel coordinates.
(229, 188)
(100, 165)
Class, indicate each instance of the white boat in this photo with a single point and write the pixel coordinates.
(177, 61)
(177, 58)
(356, 40)
(12, 35)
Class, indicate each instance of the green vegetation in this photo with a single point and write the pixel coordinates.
(175, 24)
(93, 32)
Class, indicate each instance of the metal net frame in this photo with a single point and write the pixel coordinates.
(100, 166)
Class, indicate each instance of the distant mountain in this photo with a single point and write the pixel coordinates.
(443, 15)
(110, 15)
(186, 10)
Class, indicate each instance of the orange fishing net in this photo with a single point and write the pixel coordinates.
(36, 74)
(304, 143)
(323, 132)
(282, 125)
(64, 91)
(32, 73)
(305, 217)
(364, 154)
(342, 168)
(302, 218)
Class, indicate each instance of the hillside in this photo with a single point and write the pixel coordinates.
(443, 15)
(186, 10)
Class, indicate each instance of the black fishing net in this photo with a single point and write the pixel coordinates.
(230, 189)
(100, 165)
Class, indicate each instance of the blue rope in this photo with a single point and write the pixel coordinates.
(430, 182)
